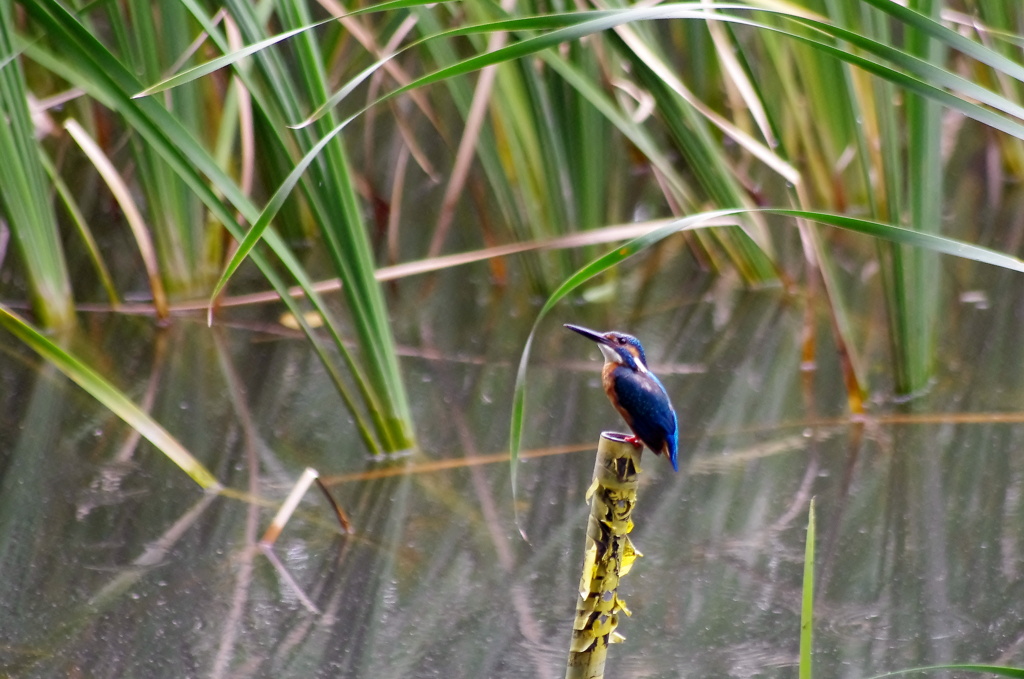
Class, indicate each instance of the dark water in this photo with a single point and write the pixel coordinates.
(113, 563)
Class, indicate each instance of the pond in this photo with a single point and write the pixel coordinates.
(115, 564)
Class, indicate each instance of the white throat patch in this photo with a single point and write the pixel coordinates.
(610, 355)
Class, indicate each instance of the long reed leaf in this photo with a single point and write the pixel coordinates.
(229, 59)
(224, 61)
(918, 295)
(998, 670)
(926, 24)
(611, 259)
(255, 234)
(119, 188)
(110, 396)
(82, 226)
(25, 197)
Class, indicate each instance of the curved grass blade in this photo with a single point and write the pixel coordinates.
(466, 66)
(569, 29)
(110, 396)
(1015, 672)
(273, 206)
(921, 68)
(566, 28)
(583, 24)
(905, 236)
(950, 37)
(889, 232)
(637, 134)
(208, 67)
(132, 215)
(598, 266)
(82, 227)
(226, 60)
(667, 75)
(24, 194)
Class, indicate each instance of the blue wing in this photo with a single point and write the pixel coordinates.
(648, 411)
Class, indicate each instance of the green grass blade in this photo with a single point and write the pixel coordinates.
(148, 44)
(998, 670)
(696, 142)
(133, 216)
(267, 215)
(919, 296)
(889, 232)
(110, 396)
(82, 226)
(807, 600)
(905, 236)
(465, 66)
(637, 134)
(235, 56)
(24, 193)
(936, 29)
(566, 28)
(218, 63)
(274, 140)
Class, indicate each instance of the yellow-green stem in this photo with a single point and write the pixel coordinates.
(608, 556)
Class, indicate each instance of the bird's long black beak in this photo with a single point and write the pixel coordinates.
(588, 333)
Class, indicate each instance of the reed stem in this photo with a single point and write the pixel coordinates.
(609, 554)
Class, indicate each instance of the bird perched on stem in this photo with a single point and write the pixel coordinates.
(636, 393)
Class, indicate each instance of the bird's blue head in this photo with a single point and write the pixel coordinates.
(617, 347)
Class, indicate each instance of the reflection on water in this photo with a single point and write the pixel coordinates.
(114, 564)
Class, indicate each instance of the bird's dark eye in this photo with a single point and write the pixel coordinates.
(622, 340)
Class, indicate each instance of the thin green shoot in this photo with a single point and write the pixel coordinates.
(807, 599)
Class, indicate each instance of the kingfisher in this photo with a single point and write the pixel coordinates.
(636, 393)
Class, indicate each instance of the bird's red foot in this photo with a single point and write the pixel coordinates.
(635, 440)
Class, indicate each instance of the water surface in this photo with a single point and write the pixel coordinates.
(113, 563)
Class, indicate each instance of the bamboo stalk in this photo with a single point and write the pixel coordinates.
(608, 556)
